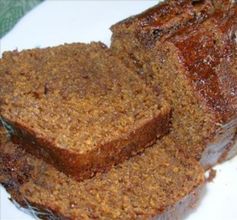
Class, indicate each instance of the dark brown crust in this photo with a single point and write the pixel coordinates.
(99, 160)
(201, 54)
(164, 19)
(162, 14)
(173, 14)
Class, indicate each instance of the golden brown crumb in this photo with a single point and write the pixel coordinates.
(151, 184)
(78, 107)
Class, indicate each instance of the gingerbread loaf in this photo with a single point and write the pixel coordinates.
(78, 107)
(188, 64)
(153, 184)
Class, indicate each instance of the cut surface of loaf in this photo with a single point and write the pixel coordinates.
(153, 184)
(189, 65)
(78, 107)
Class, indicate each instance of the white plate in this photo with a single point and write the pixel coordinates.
(58, 21)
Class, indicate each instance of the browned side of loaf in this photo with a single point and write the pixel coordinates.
(82, 166)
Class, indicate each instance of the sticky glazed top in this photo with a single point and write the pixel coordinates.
(205, 50)
(164, 19)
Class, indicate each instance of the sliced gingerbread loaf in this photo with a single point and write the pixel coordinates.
(153, 184)
(78, 107)
(188, 66)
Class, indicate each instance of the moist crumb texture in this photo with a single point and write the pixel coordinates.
(148, 185)
(125, 132)
(188, 61)
(78, 107)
